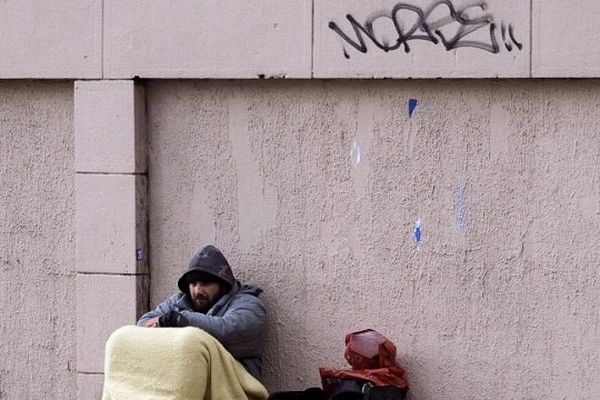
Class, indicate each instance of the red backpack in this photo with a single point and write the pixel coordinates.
(373, 359)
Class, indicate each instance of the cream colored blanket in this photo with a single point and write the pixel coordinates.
(173, 364)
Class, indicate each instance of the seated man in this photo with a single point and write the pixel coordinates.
(213, 300)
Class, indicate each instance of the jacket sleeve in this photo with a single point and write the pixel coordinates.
(239, 330)
(162, 308)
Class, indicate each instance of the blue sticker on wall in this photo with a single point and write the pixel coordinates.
(412, 105)
(417, 231)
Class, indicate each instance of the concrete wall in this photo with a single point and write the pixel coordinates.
(498, 299)
(313, 189)
(37, 250)
(246, 39)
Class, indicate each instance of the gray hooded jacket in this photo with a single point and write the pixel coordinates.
(237, 321)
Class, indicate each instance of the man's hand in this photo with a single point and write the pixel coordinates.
(173, 319)
(152, 323)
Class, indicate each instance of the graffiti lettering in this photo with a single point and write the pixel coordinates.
(427, 25)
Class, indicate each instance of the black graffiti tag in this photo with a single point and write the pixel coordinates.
(425, 28)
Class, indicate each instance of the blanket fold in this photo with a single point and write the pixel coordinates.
(174, 364)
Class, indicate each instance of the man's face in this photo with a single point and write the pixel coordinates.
(204, 294)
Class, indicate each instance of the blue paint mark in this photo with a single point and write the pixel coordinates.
(412, 104)
(139, 255)
(417, 231)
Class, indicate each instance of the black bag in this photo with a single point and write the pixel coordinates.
(384, 393)
(348, 389)
(308, 394)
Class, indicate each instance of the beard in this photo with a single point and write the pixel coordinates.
(201, 303)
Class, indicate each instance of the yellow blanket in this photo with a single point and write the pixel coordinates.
(174, 364)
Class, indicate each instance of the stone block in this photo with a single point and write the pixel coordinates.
(105, 303)
(89, 386)
(565, 36)
(207, 39)
(111, 224)
(109, 127)
(51, 39)
(421, 39)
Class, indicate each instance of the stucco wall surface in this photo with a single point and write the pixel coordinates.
(500, 298)
(37, 278)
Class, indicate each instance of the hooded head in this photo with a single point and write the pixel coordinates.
(208, 264)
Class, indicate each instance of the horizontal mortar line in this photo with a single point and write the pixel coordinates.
(134, 79)
(112, 273)
(112, 173)
(90, 373)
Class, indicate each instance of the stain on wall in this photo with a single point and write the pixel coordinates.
(461, 207)
(256, 198)
(502, 298)
(37, 250)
